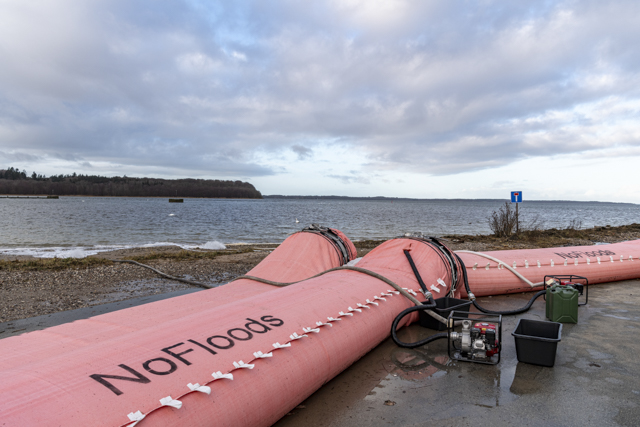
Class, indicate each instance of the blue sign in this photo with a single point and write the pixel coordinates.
(516, 197)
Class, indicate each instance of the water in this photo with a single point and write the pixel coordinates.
(76, 226)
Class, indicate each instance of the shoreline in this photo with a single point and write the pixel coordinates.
(525, 240)
(32, 286)
(44, 196)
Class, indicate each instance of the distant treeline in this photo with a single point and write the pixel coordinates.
(14, 181)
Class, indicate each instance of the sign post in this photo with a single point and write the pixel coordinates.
(516, 197)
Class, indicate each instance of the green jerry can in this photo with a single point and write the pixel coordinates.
(562, 304)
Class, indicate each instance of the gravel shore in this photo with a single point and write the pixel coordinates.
(26, 292)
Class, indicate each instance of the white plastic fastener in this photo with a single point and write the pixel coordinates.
(342, 313)
(169, 401)
(219, 375)
(363, 306)
(278, 345)
(295, 336)
(371, 302)
(200, 388)
(323, 324)
(136, 416)
(242, 365)
(261, 355)
(359, 310)
(314, 330)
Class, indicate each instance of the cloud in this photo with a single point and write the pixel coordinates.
(17, 156)
(352, 178)
(204, 87)
(302, 152)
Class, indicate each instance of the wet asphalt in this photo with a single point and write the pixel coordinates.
(595, 380)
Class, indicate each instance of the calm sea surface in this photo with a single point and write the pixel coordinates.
(76, 226)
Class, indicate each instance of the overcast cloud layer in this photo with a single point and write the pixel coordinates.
(396, 98)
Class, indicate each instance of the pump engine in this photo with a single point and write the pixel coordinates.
(477, 341)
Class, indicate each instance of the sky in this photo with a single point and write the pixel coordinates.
(421, 99)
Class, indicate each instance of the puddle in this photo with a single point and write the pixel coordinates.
(455, 387)
(616, 317)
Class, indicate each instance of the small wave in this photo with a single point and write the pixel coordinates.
(85, 251)
(213, 245)
(58, 252)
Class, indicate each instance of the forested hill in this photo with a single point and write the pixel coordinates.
(13, 181)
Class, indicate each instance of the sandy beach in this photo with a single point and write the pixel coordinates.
(30, 287)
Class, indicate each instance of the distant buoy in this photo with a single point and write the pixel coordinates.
(297, 220)
(172, 214)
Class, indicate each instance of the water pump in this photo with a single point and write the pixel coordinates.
(475, 337)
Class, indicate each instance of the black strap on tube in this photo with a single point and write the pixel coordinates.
(415, 271)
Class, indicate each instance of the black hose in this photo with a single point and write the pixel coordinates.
(450, 258)
(484, 310)
(429, 305)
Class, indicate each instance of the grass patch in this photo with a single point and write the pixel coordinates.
(185, 255)
(367, 244)
(557, 237)
(52, 264)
